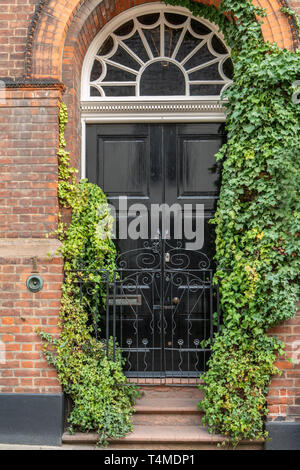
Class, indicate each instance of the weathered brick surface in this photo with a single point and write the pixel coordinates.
(28, 163)
(15, 17)
(23, 368)
(284, 395)
(295, 5)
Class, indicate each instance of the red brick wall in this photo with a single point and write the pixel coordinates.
(295, 5)
(284, 395)
(28, 210)
(28, 163)
(15, 16)
(22, 366)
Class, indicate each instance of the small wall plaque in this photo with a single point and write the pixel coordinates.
(34, 283)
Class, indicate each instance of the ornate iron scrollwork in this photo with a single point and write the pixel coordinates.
(159, 337)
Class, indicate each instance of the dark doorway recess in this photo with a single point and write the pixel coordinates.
(164, 299)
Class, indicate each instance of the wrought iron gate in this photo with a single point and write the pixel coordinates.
(161, 308)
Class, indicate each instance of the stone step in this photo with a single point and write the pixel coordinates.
(166, 418)
(163, 392)
(151, 437)
(174, 411)
(171, 406)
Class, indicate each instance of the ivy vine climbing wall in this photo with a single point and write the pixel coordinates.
(93, 379)
(257, 220)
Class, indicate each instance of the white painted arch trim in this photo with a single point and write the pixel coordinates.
(148, 109)
(121, 19)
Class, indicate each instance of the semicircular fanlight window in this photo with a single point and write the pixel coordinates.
(161, 54)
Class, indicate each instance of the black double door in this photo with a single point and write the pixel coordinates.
(163, 181)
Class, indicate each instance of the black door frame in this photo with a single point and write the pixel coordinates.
(170, 272)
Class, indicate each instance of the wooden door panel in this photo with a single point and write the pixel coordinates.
(161, 164)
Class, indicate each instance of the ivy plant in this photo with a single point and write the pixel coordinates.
(89, 370)
(257, 220)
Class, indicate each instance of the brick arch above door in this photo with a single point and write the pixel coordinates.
(59, 22)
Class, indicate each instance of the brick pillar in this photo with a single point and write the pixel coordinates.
(23, 368)
(284, 395)
(31, 398)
